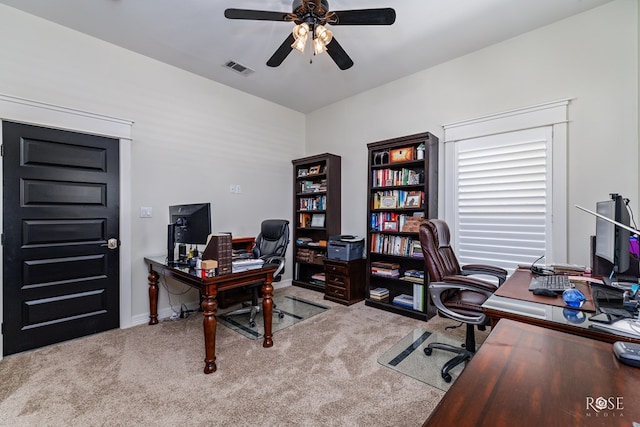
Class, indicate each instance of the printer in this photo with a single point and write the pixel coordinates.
(345, 247)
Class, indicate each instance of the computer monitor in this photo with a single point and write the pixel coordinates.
(189, 224)
(612, 242)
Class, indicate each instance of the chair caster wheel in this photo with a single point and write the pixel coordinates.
(252, 324)
(446, 378)
(228, 318)
(428, 351)
(281, 315)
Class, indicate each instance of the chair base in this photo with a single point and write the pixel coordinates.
(254, 310)
(463, 352)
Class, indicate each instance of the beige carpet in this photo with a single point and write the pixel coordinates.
(320, 372)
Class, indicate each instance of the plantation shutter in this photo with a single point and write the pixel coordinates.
(503, 197)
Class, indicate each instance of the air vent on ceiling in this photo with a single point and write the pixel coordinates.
(238, 68)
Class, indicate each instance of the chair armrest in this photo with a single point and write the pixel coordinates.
(490, 270)
(470, 283)
(274, 259)
(460, 283)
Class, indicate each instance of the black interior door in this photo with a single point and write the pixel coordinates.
(60, 235)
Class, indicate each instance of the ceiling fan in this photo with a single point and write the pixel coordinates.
(310, 17)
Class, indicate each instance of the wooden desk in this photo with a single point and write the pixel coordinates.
(209, 289)
(525, 375)
(513, 300)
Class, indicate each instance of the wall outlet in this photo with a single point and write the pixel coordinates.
(235, 188)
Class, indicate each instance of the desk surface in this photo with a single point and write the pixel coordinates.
(542, 311)
(525, 375)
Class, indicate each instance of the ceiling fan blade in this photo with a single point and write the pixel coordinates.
(255, 15)
(282, 52)
(383, 16)
(339, 56)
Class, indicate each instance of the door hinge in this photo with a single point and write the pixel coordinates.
(2, 150)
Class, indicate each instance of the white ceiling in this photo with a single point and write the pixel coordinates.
(194, 35)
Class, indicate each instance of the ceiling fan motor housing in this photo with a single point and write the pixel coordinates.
(318, 7)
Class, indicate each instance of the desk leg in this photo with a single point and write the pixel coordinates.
(209, 308)
(153, 296)
(267, 310)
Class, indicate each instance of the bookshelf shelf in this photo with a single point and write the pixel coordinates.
(402, 189)
(316, 214)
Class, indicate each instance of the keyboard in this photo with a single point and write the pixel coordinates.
(556, 283)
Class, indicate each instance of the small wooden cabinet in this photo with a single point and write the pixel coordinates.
(345, 281)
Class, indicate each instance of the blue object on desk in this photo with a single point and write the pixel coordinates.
(573, 298)
(574, 316)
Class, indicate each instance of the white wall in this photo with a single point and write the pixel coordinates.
(192, 138)
(591, 58)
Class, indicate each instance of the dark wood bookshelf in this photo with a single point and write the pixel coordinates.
(402, 189)
(314, 194)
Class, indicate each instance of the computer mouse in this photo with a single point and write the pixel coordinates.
(544, 292)
(573, 297)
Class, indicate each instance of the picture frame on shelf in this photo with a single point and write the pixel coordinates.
(390, 226)
(303, 172)
(413, 201)
(388, 202)
(314, 170)
(317, 220)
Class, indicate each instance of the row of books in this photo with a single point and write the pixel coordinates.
(385, 269)
(391, 177)
(317, 203)
(400, 222)
(396, 245)
(313, 186)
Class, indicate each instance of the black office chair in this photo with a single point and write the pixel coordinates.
(271, 246)
(454, 293)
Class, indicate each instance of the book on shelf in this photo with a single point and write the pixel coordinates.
(418, 297)
(384, 272)
(403, 300)
(319, 276)
(412, 279)
(379, 292)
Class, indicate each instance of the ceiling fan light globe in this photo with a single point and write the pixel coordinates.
(299, 44)
(301, 30)
(318, 46)
(324, 35)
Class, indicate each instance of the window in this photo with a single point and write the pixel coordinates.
(505, 194)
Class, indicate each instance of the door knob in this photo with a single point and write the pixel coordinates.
(111, 243)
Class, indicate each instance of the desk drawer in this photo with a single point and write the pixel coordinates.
(335, 291)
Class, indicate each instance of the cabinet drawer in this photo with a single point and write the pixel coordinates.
(335, 291)
(335, 269)
(332, 279)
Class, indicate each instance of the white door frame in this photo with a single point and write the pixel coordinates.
(52, 116)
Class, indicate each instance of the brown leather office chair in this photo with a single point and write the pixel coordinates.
(454, 293)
